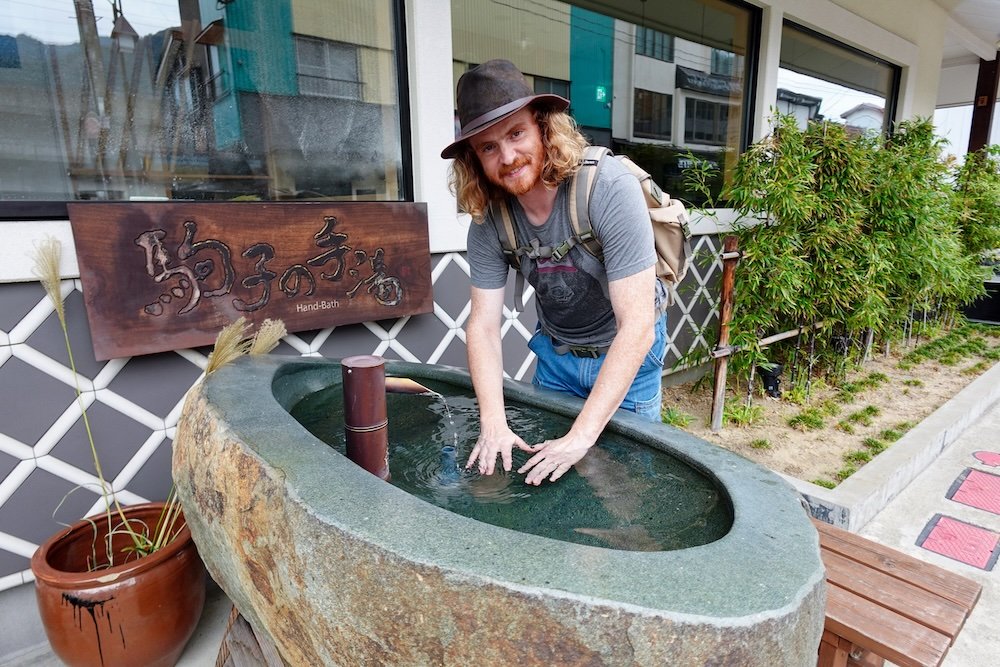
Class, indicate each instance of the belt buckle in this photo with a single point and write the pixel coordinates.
(584, 351)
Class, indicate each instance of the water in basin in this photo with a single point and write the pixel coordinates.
(622, 495)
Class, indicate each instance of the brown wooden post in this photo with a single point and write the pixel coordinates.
(730, 257)
(984, 103)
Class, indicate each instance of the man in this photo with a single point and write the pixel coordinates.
(602, 334)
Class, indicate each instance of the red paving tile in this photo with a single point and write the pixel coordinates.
(964, 542)
(977, 489)
(988, 458)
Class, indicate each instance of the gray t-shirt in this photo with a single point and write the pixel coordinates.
(571, 296)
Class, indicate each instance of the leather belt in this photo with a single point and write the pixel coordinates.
(581, 351)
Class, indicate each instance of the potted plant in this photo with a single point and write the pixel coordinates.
(124, 587)
(104, 602)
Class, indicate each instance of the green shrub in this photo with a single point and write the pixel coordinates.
(844, 473)
(858, 456)
(874, 445)
(809, 419)
(846, 426)
(890, 435)
(742, 414)
(674, 417)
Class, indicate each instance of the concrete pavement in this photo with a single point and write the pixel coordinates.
(907, 517)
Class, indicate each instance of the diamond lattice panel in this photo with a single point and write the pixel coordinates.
(134, 402)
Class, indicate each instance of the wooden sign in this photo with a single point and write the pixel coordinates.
(166, 276)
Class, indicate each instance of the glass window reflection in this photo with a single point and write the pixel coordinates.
(657, 85)
(209, 100)
(820, 79)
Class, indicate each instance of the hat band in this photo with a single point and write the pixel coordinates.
(479, 121)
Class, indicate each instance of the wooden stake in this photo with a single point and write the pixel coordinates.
(725, 315)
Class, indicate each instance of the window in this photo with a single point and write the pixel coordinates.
(722, 62)
(327, 69)
(8, 52)
(276, 100)
(705, 122)
(217, 84)
(624, 72)
(820, 79)
(545, 85)
(653, 114)
(654, 44)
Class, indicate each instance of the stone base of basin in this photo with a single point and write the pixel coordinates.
(341, 568)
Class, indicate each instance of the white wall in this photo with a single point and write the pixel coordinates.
(958, 84)
(428, 37)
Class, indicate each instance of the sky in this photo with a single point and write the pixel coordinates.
(54, 21)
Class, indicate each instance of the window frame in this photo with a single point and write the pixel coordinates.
(667, 105)
(328, 47)
(690, 128)
(35, 210)
(661, 47)
(892, 101)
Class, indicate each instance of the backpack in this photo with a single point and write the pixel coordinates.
(671, 232)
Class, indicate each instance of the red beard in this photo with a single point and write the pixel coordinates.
(524, 182)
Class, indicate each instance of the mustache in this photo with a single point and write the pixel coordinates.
(517, 164)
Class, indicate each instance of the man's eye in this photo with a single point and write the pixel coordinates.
(517, 133)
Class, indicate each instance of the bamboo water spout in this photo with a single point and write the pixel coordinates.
(366, 422)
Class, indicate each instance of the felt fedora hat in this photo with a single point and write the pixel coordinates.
(490, 92)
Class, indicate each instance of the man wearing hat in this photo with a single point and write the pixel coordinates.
(602, 334)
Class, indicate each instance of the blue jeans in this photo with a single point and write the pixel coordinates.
(576, 375)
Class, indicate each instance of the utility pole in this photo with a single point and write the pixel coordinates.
(92, 111)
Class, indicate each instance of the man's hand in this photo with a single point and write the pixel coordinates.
(553, 458)
(492, 442)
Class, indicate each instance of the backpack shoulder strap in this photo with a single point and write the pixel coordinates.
(501, 216)
(580, 190)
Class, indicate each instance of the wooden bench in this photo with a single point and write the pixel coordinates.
(885, 605)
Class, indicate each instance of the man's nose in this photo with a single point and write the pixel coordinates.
(507, 153)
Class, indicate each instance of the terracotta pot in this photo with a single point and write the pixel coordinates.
(138, 613)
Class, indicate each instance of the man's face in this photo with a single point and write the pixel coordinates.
(511, 152)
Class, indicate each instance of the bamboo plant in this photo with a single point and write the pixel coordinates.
(862, 234)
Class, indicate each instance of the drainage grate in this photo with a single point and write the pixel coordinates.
(964, 542)
(977, 489)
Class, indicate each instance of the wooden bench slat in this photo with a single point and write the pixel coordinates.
(917, 604)
(900, 640)
(956, 588)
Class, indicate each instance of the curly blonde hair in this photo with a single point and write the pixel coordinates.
(563, 145)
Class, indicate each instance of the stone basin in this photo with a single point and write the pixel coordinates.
(341, 568)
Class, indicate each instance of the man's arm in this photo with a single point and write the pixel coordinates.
(634, 313)
(482, 337)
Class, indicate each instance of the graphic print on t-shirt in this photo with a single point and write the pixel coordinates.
(568, 297)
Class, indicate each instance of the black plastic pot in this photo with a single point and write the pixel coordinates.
(770, 376)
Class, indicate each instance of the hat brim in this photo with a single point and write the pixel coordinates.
(554, 101)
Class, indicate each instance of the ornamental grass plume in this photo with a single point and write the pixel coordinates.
(235, 340)
(267, 337)
(231, 343)
(48, 257)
